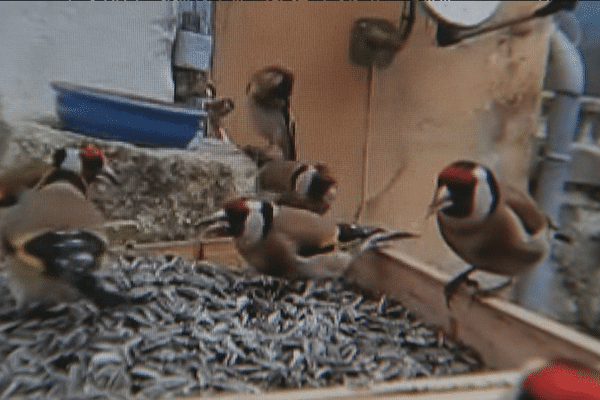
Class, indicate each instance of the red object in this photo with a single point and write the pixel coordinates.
(562, 380)
(91, 152)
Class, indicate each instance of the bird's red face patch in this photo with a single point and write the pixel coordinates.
(460, 181)
(92, 162)
(239, 204)
(90, 152)
(459, 173)
(237, 211)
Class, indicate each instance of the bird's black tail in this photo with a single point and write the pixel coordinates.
(350, 232)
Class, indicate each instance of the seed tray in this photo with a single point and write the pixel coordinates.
(199, 329)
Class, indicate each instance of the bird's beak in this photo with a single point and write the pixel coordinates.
(108, 176)
(441, 200)
(217, 224)
(215, 217)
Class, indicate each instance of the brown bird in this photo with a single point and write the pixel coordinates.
(217, 110)
(495, 228)
(54, 242)
(291, 242)
(268, 93)
(299, 185)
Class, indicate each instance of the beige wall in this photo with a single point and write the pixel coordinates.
(478, 100)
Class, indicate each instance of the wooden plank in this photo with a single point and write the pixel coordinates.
(489, 385)
(485, 394)
(218, 251)
(221, 251)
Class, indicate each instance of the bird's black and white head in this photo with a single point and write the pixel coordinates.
(271, 86)
(86, 162)
(67, 158)
(247, 220)
(466, 193)
(315, 183)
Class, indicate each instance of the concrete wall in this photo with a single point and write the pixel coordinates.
(124, 45)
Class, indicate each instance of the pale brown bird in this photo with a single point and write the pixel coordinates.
(217, 110)
(495, 228)
(298, 184)
(268, 101)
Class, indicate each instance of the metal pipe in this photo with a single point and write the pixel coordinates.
(456, 35)
(565, 76)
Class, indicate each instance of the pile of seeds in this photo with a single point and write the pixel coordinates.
(164, 192)
(198, 329)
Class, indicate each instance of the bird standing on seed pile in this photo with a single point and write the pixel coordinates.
(52, 235)
(293, 243)
(269, 92)
(495, 228)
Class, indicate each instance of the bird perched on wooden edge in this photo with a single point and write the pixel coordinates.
(493, 227)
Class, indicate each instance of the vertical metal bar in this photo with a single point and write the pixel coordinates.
(366, 148)
(566, 73)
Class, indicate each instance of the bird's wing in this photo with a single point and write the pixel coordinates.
(73, 256)
(533, 219)
(68, 254)
(330, 264)
(310, 231)
(289, 147)
(59, 206)
(292, 199)
(61, 175)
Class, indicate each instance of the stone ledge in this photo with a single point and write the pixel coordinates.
(162, 191)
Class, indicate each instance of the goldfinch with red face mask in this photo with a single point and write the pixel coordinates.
(493, 227)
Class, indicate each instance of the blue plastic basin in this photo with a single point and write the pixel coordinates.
(111, 115)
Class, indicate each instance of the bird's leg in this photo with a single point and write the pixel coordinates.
(451, 287)
(493, 290)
